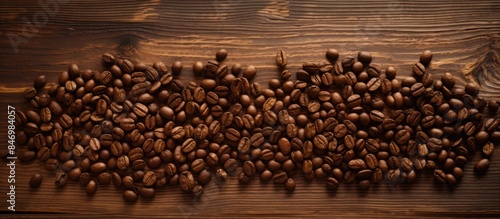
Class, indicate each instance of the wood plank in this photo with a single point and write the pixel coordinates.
(464, 37)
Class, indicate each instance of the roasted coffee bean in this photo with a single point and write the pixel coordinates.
(61, 180)
(426, 57)
(229, 122)
(249, 72)
(481, 166)
(230, 165)
(281, 58)
(402, 137)
(35, 180)
(130, 196)
(91, 187)
(232, 135)
(332, 183)
(373, 84)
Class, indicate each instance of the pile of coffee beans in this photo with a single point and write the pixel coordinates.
(342, 120)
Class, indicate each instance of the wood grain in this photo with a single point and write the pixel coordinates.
(464, 37)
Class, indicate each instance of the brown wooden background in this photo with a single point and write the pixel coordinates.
(463, 35)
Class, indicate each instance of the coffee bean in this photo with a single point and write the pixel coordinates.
(91, 187)
(130, 196)
(354, 100)
(417, 89)
(61, 180)
(149, 179)
(221, 55)
(249, 168)
(426, 57)
(481, 166)
(177, 67)
(373, 84)
(249, 72)
(364, 57)
(232, 135)
(402, 137)
(35, 180)
(418, 69)
(281, 58)
(230, 165)
(186, 181)
(108, 58)
(332, 183)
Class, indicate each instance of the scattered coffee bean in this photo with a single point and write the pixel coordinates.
(35, 180)
(340, 120)
(221, 55)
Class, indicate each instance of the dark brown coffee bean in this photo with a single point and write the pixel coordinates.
(440, 176)
(364, 57)
(280, 177)
(417, 89)
(230, 165)
(108, 58)
(402, 137)
(130, 196)
(354, 100)
(418, 69)
(481, 166)
(232, 135)
(249, 168)
(426, 57)
(332, 54)
(249, 72)
(371, 161)
(357, 164)
(186, 181)
(332, 183)
(91, 187)
(244, 145)
(61, 180)
(373, 84)
(30, 93)
(35, 180)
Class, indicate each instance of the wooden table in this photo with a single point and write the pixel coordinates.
(464, 37)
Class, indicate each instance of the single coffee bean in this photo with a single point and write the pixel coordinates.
(249, 72)
(91, 187)
(230, 165)
(290, 185)
(30, 93)
(364, 57)
(186, 181)
(439, 176)
(149, 179)
(221, 55)
(35, 180)
(108, 58)
(177, 67)
(402, 137)
(280, 177)
(418, 69)
(426, 57)
(332, 55)
(61, 180)
(281, 58)
(481, 166)
(130, 196)
(373, 84)
(332, 183)
(417, 89)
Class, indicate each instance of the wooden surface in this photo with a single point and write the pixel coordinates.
(464, 37)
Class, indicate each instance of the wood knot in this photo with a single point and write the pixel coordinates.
(485, 71)
(127, 45)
